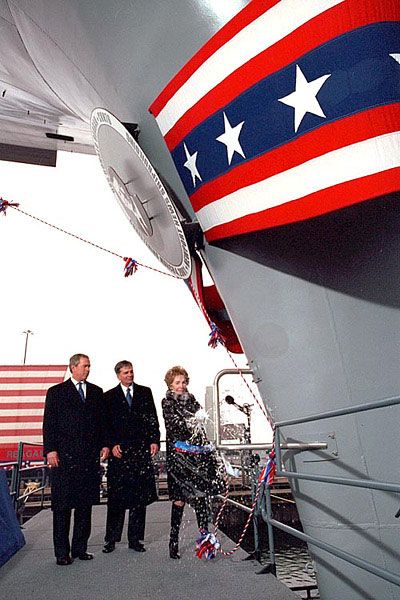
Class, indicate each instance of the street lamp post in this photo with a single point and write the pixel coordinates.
(27, 333)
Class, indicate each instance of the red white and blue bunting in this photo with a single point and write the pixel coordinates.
(287, 115)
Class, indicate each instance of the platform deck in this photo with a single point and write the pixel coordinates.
(127, 575)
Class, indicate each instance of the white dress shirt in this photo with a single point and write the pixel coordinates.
(76, 384)
(125, 389)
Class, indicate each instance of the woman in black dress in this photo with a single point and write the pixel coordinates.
(193, 471)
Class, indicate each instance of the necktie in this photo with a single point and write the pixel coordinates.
(129, 397)
(81, 392)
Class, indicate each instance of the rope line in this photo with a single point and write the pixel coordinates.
(246, 526)
(263, 408)
(199, 302)
(85, 241)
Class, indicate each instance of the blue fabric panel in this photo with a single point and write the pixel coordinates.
(11, 536)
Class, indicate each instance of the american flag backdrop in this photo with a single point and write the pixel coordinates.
(22, 397)
(290, 111)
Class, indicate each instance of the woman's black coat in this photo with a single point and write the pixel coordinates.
(189, 476)
(76, 431)
(131, 480)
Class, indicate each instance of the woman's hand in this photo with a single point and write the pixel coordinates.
(201, 416)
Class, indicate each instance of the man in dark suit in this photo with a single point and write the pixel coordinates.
(74, 441)
(134, 437)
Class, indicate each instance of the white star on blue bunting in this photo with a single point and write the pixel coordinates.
(191, 165)
(230, 138)
(304, 98)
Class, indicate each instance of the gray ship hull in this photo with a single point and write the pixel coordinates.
(315, 304)
(326, 293)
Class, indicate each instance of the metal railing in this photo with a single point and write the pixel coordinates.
(20, 467)
(248, 447)
(266, 508)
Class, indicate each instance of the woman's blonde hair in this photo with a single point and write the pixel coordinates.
(173, 372)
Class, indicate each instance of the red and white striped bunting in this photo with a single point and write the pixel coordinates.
(22, 397)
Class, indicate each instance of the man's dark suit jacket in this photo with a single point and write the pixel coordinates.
(131, 479)
(76, 431)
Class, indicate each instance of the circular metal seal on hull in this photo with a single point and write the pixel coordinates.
(140, 192)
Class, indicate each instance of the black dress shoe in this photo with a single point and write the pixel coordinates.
(137, 546)
(63, 561)
(85, 556)
(108, 547)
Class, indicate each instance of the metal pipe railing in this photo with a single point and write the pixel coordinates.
(18, 469)
(254, 487)
(358, 562)
(234, 503)
(42, 486)
(363, 483)
(216, 399)
(288, 446)
(270, 529)
(341, 411)
(38, 489)
(18, 476)
(13, 485)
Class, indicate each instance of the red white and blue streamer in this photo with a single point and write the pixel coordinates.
(267, 475)
(207, 545)
(216, 336)
(4, 204)
(187, 448)
(130, 266)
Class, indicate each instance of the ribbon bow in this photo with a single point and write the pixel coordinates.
(130, 266)
(4, 204)
(207, 545)
(216, 337)
(267, 475)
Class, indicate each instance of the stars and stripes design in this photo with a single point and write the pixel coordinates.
(290, 111)
(267, 474)
(22, 397)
